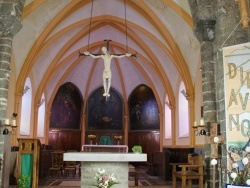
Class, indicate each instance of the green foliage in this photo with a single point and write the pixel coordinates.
(137, 149)
(23, 181)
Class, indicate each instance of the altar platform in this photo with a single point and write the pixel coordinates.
(116, 163)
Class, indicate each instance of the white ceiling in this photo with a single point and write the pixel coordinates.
(160, 32)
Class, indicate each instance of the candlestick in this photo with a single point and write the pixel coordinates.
(7, 121)
(14, 122)
(202, 121)
(195, 124)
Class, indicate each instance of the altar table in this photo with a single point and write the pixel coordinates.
(116, 163)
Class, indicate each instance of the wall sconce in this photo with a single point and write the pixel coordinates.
(201, 124)
(25, 90)
(10, 128)
(184, 93)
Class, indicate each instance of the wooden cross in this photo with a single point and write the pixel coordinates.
(107, 46)
(214, 132)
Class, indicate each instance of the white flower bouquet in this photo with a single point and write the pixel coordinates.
(103, 180)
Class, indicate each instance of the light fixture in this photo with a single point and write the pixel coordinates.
(9, 128)
(168, 104)
(41, 102)
(184, 93)
(201, 124)
(25, 90)
(203, 132)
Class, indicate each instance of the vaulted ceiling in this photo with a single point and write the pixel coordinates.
(159, 32)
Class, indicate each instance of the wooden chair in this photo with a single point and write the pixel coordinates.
(70, 167)
(193, 170)
(57, 163)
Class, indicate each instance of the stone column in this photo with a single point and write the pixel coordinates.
(208, 88)
(10, 12)
(226, 14)
(228, 32)
(203, 17)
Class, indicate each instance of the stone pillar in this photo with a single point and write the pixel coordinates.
(226, 14)
(10, 12)
(209, 95)
(228, 32)
(203, 17)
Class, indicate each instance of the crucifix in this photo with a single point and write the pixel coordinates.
(107, 57)
(214, 139)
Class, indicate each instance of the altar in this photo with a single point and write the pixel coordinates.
(116, 163)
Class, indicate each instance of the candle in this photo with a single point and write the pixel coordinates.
(195, 124)
(7, 121)
(202, 121)
(14, 122)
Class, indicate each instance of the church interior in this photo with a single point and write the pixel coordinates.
(119, 77)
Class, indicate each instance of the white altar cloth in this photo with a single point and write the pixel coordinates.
(102, 156)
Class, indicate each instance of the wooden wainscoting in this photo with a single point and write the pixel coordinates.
(149, 140)
(65, 140)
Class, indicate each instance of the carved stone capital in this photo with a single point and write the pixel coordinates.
(205, 30)
(10, 13)
(9, 25)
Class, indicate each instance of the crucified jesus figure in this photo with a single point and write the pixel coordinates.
(107, 71)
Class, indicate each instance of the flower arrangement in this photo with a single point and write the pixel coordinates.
(137, 149)
(103, 180)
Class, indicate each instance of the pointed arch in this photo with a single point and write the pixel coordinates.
(26, 108)
(183, 111)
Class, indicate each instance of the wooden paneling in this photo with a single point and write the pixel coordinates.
(44, 163)
(149, 140)
(65, 140)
